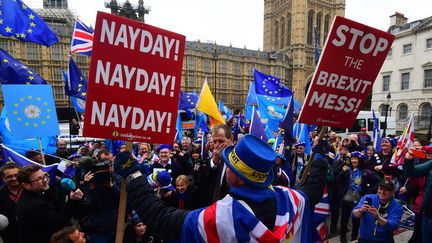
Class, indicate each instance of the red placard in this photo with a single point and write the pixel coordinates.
(134, 81)
(348, 66)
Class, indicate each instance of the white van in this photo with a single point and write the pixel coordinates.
(365, 119)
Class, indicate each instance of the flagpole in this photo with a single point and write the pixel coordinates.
(309, 164)
(41, 150)
(70, 123)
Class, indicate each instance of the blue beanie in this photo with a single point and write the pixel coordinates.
(163, 146)
(164, 178)
(135, 220)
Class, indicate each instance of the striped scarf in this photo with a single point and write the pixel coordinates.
(231, 220)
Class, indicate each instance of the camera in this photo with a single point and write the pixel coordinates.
(101, 171)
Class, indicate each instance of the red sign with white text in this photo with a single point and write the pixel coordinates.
(134, 81)
(349, 64)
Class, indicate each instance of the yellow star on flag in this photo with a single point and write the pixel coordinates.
(31, 78)
(24, 7)
(83, 93)
(29, 30)
(32, 24)
(8, 29)
(1, 21)
(5, 60)
(31, 16)
(23, 35)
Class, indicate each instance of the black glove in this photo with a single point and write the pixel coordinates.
(125, 164)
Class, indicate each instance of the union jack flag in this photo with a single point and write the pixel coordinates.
(321, 212)
(231, 220)
(405, 142)
(82, 39)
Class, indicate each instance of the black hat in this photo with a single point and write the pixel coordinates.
(387, 184)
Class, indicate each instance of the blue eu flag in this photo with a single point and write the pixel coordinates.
(31, 111)
(188, 100)
(271, 86)
(77, 82)
(19, 21)
(14, 72)
(271, 114)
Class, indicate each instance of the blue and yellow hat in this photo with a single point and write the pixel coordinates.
(252, 160)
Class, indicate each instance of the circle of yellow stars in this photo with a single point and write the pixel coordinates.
(22, 105)
(9, 28)
(275, 81)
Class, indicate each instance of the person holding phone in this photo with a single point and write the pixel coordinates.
(379, 214)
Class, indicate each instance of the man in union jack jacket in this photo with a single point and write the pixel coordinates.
(252, 211)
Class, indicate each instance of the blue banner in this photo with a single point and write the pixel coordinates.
(271, 114)
(77, 82)
(269, 85)
(31, 111)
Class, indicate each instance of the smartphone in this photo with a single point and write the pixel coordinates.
(369, 200)
(419, 154)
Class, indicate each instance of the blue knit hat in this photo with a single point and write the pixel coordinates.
(163, 177)
(252, 160)
(163, 146)
(135, 220)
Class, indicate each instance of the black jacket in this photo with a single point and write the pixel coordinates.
(39, 216)
(167, 222)
(8, 209)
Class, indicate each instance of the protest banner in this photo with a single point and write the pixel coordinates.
(351, 59)
(134, 81)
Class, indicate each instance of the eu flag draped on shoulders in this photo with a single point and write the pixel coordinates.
(77, 82)
(14, 72)
(82, 39)
(271, 86)
(21, 22)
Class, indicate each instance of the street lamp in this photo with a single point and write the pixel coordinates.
(215, 58)
(387, 106)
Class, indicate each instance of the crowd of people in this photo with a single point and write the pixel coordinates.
(174, 191)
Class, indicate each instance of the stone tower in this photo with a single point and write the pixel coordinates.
(289, 28)
(128, 10)
(56, 4)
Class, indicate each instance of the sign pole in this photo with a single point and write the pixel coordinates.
(309, 164)
(122, 205)
(41, 150)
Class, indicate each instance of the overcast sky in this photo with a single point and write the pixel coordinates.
(240, 22)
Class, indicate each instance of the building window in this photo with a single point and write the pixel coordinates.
(237, 85)
(190, 82)
(310, 27)
(282, 44)
(326, 26)
(82, 59)
(56, 53)
(407, 48)
(6, 45)
(276, 34)
(425, 112)
(428, 78)
(383, 110)
(405, 81)
(33, 51)
(58, 92)
(389, 54)
(403, 112)
(237, 100)
(386, 83)
(207, 65)
(223, 66)
(318, 27)
(57, 74)
(190, 63)
(289, 30)
(429, 43)
(237, 68)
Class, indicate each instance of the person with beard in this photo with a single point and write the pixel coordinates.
(39, 214)
(10, 193)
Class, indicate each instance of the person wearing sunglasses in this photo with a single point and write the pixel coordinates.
(39, 212)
